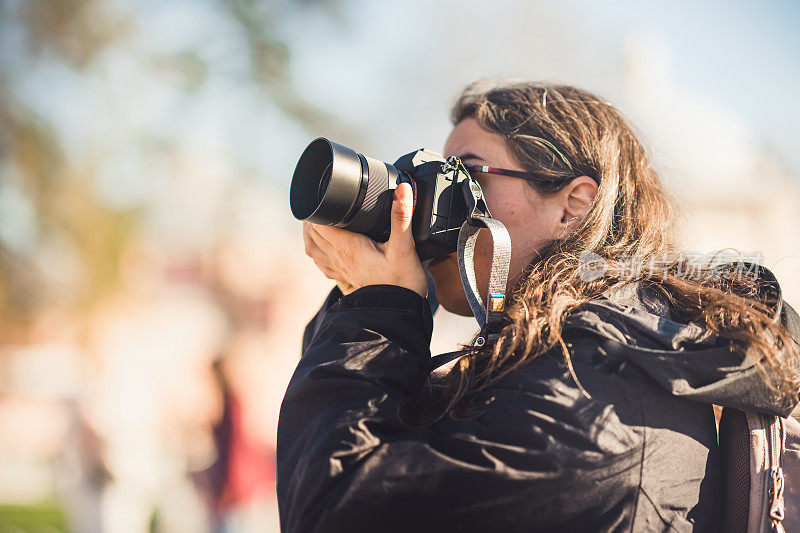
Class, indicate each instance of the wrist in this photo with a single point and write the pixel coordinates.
(385, 296)
(421, 287)
(344, 287)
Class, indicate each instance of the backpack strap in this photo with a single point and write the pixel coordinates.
(767, 482)
(734, 448)
(752, 448)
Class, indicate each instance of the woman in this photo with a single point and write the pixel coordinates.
(593, 409)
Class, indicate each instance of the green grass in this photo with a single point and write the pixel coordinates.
(43, 517)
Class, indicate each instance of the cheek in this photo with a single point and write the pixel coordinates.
(528, 229)
(445, 274)
(449, 290)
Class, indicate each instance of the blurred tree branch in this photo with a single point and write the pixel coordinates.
(69, 213)
(73, 30)
(269, 61)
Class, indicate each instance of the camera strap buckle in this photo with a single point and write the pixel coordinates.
(476, 205)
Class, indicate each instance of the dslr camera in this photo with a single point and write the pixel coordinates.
(336, 186)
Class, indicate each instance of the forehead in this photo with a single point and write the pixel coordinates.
(468, 137)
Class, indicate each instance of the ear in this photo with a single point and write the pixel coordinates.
(575, 200)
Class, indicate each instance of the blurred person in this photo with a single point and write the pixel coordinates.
(152, 401)
(82, 476)
(239, 485)
(593, 408)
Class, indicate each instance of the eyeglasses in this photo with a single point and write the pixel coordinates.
(503, 172)
(507, 172)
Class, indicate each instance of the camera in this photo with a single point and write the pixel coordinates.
(336, 186)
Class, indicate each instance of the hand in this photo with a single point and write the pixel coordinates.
(321, 259)
(354, 260)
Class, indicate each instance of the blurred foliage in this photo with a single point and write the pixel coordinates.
(269, 59)
(69, 213)
(73, 30)
(28, 145)
(185, 68)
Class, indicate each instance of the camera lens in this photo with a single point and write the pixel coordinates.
(324, 182)
(334, 185)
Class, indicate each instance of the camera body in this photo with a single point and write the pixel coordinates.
(334, 185)
(440, 206)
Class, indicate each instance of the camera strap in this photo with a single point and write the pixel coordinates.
(488, 314)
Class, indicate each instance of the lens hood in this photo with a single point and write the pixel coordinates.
(328, 180)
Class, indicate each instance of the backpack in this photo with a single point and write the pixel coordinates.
(761, 480)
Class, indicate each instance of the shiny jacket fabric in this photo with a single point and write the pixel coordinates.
(537, 455)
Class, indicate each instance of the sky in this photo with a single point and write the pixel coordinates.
(389, 71)
(386, 62)
(744, 54)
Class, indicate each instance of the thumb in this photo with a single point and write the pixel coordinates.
(402, 209)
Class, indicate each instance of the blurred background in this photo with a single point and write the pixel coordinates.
(153, 287)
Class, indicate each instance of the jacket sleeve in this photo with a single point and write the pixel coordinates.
(313, 326)
(346, 461)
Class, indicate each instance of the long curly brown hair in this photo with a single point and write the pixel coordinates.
(561, 132)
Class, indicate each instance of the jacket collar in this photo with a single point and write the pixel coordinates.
(635, 323)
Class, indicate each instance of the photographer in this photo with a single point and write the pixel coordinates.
(591, 407)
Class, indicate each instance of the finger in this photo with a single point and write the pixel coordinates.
(318, 237)
(345, 287)
(313, 250)
(330, 273)
(401, 235)
(340, 252)
(322, 260)
(308, 240)
(342, 243)
(334, 234)
(325, 255)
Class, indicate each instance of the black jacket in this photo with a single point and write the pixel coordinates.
(640, 455)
